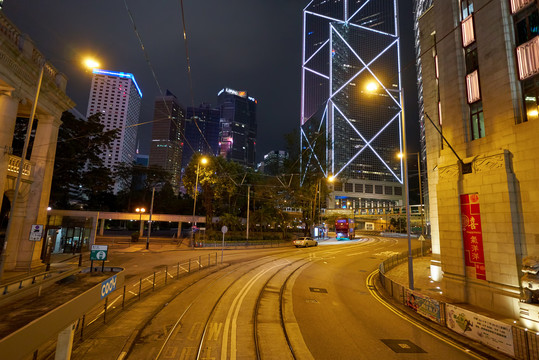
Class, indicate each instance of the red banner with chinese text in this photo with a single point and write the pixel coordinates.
(473, 236)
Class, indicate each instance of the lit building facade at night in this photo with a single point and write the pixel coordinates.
(201, 132)
(351, 108)
(117, 96)
(481, 91)
(167, 129)
(238, 127)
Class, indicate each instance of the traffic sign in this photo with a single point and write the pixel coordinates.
(108, 286)
(99, 252)
(224, 229)
(36, 233)
(421, 238)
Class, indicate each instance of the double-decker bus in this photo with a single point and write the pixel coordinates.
(344, 228)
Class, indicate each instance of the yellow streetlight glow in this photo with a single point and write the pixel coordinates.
(331, 178)
(372, 86)
(91, 63)
(400, 155)
(203, 160)
(141, 210)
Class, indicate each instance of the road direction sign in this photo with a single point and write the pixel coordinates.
(99, 252)
(36, 233)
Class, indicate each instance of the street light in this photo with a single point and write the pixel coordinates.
(400, 156)
(372, 87)
(202, 161)
(140, 211)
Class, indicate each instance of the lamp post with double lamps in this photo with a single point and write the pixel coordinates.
(371, 87)
(202, 161)
(140, 211)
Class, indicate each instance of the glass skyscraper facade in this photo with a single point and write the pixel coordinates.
(201, 132)
(351, 87)
(238, 128)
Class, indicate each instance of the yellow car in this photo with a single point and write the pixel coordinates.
(305, 242)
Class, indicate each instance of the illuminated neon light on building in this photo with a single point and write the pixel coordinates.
(119, 74)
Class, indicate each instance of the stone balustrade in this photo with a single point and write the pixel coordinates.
(13, 165)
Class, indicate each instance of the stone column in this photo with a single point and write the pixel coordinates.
(179, 229)
(43, 153)
(8, 115)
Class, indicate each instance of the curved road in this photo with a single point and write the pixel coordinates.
(309, 303)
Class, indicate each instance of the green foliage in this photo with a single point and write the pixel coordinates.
(80, 176)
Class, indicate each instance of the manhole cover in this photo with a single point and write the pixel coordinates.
(318, 290)
(311, 301)
(362, 270)
(403, 346)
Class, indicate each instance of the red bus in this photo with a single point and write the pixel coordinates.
(344, 228)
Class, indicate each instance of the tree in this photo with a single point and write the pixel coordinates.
(79, 172)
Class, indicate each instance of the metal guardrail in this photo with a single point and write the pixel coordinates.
(133, 291)
(25, 284)
(525, 343)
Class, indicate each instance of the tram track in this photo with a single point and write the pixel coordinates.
(223, 314)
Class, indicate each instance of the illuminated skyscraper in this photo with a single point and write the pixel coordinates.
(167, 129)
(350, 112)
(238, 130)
(201, 132)
(117, 96)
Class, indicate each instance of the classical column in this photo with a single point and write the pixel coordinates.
(43, 153)
(8, 115)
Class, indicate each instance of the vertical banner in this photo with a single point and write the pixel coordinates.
(473, 236)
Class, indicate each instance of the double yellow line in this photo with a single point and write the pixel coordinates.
(370, 285)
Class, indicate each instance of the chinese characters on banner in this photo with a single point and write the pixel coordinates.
(473, 236)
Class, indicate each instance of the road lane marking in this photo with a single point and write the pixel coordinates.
(214, 330)
(172, 331)
(372, 289)
(358, 253)
(233, 312)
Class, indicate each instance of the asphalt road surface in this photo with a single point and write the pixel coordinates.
(290, 303)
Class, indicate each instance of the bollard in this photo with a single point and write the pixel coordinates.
(215, 259)
(123, 298)
(166, 274)
(153, 284)
(139, 288)
(82, 327)
(105, 310)
(80, 260)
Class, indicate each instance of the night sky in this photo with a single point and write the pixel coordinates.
(252, 45)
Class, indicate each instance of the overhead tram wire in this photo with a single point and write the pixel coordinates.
(147, 58)
(190, 77)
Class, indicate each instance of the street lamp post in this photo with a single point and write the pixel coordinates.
(140, 211)
(150, 221)
(193, 223)
(407, 196)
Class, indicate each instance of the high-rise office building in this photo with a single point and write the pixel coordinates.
(167, 130)
(273, 163)
(238, 127)
(117, 96)
(351, 108)
(201, 132)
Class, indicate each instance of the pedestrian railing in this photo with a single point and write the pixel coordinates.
(525, 343)
(134, 290)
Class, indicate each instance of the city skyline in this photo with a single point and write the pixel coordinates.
(243, 54)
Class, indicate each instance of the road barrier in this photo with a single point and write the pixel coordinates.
(134, 290)
(521, 344)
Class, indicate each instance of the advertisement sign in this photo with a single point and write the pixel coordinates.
(424, 306)
(488, 331)
(473, 236)
(99, 252)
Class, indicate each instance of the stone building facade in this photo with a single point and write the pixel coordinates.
(483, 192)
(20, 64)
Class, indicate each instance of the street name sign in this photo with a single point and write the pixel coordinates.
(36, 233)
(99, 252)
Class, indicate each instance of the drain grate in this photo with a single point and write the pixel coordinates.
(318, 290)
(311, 301)
(403, 346)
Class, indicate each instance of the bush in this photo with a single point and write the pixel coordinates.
(135, 236)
